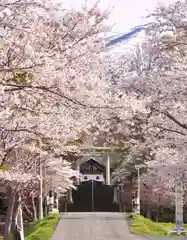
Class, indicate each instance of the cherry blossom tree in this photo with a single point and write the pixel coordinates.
(53, 86)
(157, 69)
(17, 177)
(161, 62)
(165, 75)
(160, 178)
(26, 92)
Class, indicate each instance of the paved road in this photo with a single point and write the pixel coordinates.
(93, 226)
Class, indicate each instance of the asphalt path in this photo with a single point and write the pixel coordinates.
(96, 226)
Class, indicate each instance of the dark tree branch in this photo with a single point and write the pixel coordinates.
(163, 129)
(171, 117)
(17, 87)
(167, 114)
(19, 69)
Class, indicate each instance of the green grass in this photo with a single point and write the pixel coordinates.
(143, 226)
(41, 229)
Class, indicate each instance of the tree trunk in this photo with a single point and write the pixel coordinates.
(9, 214)
(27, 213)
(40, 198)
(148, 212)
(15, 215)
(20, 223)
(157, 214)
(34, 209)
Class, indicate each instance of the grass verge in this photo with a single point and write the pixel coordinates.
(143, 226)
(41, 229)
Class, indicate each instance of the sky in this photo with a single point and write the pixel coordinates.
(126, 14)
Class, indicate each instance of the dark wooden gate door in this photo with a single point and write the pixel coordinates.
(103, 198)
(93, 196)
(82, 198)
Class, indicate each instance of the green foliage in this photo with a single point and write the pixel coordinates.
(21, 77)
(42, 229)
(144, 226)
(4, 168)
